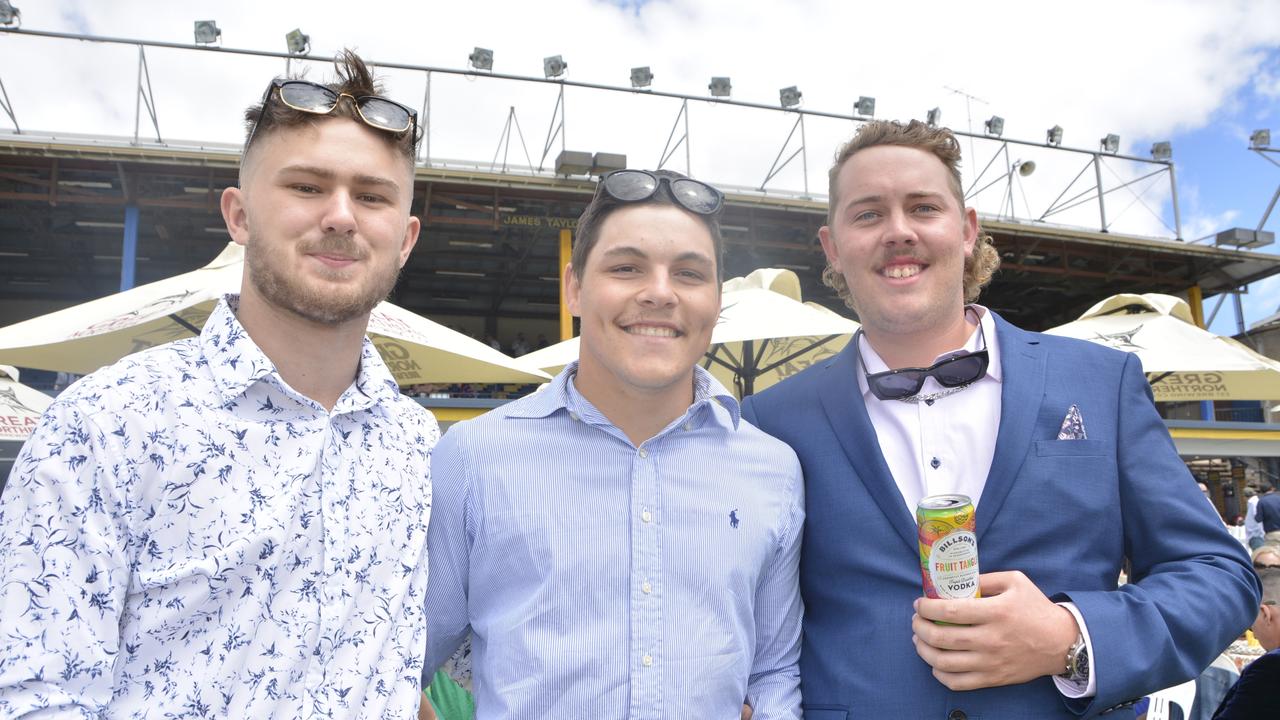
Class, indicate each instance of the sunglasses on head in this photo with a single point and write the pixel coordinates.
(1265, 566)
(953, 372)
(640, 185)
(376, 112)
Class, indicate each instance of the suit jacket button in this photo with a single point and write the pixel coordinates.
(957, 715)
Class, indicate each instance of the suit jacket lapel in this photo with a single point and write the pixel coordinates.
(1022, 362)
(847, 413)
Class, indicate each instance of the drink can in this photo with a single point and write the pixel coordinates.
(948, 546)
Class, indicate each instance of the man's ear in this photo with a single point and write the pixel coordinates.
(829, 247)
(572, 290)
(234, 215)
(970, 231)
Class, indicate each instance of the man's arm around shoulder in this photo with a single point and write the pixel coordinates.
(449, 539)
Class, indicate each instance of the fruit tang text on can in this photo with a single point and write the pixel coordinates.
(948, 546)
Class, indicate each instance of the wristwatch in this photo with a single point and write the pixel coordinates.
(1077, 670)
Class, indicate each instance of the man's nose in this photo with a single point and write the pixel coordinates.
(339, 217)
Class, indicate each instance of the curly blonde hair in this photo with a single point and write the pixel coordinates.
(981, 265)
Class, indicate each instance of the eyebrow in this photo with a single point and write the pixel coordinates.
(914, 195)
(327, 174)
(632, 251)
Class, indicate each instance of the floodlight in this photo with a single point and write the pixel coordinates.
(720, 87)
(1162, 151)
(1053, 136)
(934, 117)
(554, 66)
(299, 43)
(207, 32)
(789, 96)
(1025, 167)
(605, 163)
(481, 59)
(865, 107)
(1110, 143)
(8, 13)
(995, 126)
(641, 77)
(1260, 139)
(573, 162)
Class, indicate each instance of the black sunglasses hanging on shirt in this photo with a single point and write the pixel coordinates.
(956, 372)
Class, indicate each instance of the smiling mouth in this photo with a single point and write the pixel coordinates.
(333, 260)
(652, 331)
(898, 272)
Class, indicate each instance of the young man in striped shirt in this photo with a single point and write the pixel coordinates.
(620, 544)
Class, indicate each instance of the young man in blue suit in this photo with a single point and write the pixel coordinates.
(1058, 443)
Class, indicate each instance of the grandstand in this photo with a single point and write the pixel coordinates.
(490, 251)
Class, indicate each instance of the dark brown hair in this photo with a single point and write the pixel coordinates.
(939, 142)
(603, 204)
(354, 79)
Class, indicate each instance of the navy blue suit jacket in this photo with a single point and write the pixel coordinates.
(1064, 512)
(1256, 694)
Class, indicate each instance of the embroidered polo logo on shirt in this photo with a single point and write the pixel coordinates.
(733, 518)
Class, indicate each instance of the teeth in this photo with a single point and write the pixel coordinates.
(651, 331)
(902, 271)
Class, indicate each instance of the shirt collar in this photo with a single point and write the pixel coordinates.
(237, 363)
(875, 364)
(560, 394)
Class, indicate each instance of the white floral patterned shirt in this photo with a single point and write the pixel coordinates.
(186, 536)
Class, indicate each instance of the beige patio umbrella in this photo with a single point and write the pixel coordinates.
(1182, 361)
(82, 338)
(20, 406)
(764, 335)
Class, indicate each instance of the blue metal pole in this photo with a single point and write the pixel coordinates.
(129, 255)
(1206, 410)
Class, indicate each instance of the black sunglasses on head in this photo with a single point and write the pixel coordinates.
(953, 372)
(640, 185)
(376, 112)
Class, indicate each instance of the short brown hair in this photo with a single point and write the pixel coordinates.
(603, 204)
(354, 79)
(939, 142)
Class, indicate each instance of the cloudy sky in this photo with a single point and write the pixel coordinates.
(1202, 75)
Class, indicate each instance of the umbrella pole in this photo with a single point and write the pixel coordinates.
(178, 319)
(748, 369)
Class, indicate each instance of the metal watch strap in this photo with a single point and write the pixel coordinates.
(1077, 662)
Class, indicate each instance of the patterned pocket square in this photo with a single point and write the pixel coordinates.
(1072, 425)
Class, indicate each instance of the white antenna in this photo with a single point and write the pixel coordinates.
(968, 110)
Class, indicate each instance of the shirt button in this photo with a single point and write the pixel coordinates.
(647, 660)
(646, 516)
(646, 587)
(957, 715)
(688, 425)
(935, 463)
(644, 453)
(573, 415)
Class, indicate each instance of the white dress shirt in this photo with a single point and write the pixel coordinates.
(946, 446)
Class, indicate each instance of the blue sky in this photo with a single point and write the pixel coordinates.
(1228, 182)
(1201, 75)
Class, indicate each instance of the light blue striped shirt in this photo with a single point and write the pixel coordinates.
(604, 580)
